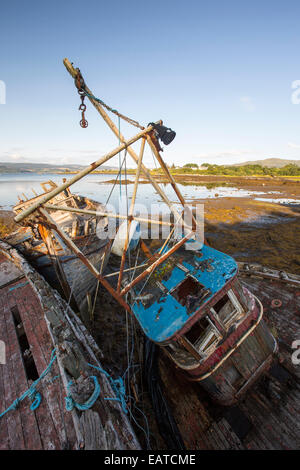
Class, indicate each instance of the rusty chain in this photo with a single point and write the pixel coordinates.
(80, 85)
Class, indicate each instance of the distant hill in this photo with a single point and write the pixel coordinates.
(269, 162)
(8, 167)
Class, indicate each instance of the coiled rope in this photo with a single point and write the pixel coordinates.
(71, 403)
(118, 387)
(116, 384)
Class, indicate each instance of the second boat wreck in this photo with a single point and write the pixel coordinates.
(47, 252)
(54, 393)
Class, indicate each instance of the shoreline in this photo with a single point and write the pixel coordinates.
(244, 227)
(248, 230)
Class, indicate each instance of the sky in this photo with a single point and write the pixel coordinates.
(219, 73)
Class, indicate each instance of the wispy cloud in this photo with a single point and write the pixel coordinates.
(226, 155)
(56, 156)
(13, 155)
(293, 146)
(247, 103)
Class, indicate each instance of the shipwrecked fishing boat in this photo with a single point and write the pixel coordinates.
(207, 323)
(267, 416)
(47, 253)
(54, 393)
(187, 298)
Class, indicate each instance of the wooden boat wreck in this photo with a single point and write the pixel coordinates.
(48, 352)
(209, 325)
(47, 253)
(267, 416)
(186, 296)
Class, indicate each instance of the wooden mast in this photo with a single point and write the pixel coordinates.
(44, 217)
(80, 175)
(73, 72)
(136, 183)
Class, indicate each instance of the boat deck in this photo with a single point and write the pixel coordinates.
(204, 273)
(268, 416)
(22, 324)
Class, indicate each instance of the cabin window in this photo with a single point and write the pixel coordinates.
(203, 335)
(197, 330)
(228, 309)
(188, 287)
(190, 293)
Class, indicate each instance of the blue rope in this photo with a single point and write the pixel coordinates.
(99, 101)
(117, 386)
(126, 118)
(71, 403)
(36, 401)
(32, 393)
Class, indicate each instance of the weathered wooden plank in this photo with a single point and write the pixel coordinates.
(59, 419)
(4, 436)
(230, 436)
(13, 419)
(41, 346)
(29, 424)
(116, 425)
(39, 335)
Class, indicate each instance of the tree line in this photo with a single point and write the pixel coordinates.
(244, 170)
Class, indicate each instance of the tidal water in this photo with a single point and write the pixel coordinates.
(98, 187)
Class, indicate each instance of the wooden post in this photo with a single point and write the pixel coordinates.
(46, 237)
(106, 214)
(110, 123)
(170, 177)
(136, 183)
(53, 225)
(166, 241)
(156, 263)
(78, 176)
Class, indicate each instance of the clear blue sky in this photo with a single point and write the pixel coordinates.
(217, 72)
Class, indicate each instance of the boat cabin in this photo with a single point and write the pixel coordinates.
(206, 322)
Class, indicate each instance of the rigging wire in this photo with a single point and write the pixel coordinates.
(122, 116)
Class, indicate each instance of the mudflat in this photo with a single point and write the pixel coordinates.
(246, 228)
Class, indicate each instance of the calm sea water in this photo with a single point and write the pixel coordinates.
(98, 188)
